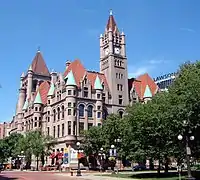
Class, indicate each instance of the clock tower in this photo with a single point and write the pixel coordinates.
(113, 62)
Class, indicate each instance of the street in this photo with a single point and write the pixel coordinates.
(6, 175)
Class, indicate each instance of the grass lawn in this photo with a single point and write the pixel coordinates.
(146, 176)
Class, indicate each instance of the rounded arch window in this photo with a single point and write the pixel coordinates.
(81, 110)
(90, 111)
(121, 113)
(63, 111)
(54, 114)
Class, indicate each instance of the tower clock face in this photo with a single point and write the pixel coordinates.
(106, 51)
(117, 50)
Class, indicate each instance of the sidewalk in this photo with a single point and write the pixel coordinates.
(88, 176)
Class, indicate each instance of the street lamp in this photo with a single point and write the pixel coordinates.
(101, 155)
(79, 169)
(188, 153)
(118, 141)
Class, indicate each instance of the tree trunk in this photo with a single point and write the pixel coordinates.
(37, 163)
(158, 168)
(166, 164)
(151, 164)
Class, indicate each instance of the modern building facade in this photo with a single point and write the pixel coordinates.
(64, 104)
(164, 81)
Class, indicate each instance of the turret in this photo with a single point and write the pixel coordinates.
(30, 82)
(38, 104)
(147, 94)
(99, 104)
(53, 76)
(70, 102)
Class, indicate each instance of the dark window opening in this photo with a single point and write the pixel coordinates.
(69, 127)
(81, 110)
(90, 111)
(63, 130)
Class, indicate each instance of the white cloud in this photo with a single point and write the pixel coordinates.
(188, 29)
(157, 61)
(134, 72)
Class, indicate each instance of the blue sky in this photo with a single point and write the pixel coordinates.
(161, 34)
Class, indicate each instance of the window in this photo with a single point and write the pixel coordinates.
(58, 132)
(85, 94)
(69, 92)
(81, 110)
(120, 99)
(48, 131)
(40, 109)
(98, 114)
(49, 101)
(69, 104)
(35, 124)
(39, 118)
(69, 112)
(90, 111)
(121, 114)
(81, 127)
(54, 131)
(74, 92)
(63, 130)
(36, 108)
(74, 128)
(63, 112)
(116, 75)
(36, 118)
(48, 119)
(74, 104)
(54, 115)
(98, 96)
(58, 113)
(98, 107)
(90, 125)
(119, 87)
(48, 112)
(69, 127)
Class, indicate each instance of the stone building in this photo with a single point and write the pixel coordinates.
(64, 104)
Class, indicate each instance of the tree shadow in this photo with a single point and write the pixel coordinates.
(156, 175)
(7, 178)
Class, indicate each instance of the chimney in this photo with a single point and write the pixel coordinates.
(67, 63)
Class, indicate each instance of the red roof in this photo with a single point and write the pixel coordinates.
(79, 72)
(39, 66)
(43, 89)
(141, 82)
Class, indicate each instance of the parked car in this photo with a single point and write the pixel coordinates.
(139, 168)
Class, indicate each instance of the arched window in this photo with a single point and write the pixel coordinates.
(121, 113)
(81, 110)
(58, 113)
(54, 114)
(63, 112)
(90, 111)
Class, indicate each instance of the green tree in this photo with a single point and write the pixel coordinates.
(35, 143)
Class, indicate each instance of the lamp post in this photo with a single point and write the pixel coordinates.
(79, 169)
(188, 153)
(118, 141)
(113, 153)
(101, 155)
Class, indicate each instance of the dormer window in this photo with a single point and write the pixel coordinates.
(85, 81)
(85, 92)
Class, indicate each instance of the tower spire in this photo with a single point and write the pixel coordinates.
(111, 13)
(38, 49)
(111, 25)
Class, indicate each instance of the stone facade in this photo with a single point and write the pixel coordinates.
(64, 104)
